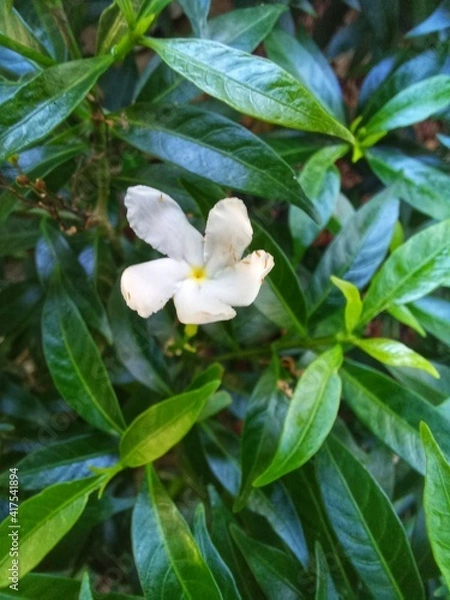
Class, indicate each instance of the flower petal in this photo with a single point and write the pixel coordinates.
(196, 305)
(228, 233)
(239, 285)
(159, 221)
(148, 286)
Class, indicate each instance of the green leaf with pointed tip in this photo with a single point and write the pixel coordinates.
(310, 416)
(413, 270)
(43, 102)
(353, 307)
(325, 589)
(251, 85)
(434, 315)
(392, 412)
(217, 566)
(75, 363)
(404, 109)
(85, 589)
(396, 354)
(275, 571)
(436, 498)
(168, 560)
(419, 184)
(44, 519)
(163, 425)
(14, 27)
(366, 524)
(213, 147)
(402, 313)
(215, 404)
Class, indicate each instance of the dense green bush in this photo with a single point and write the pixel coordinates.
(300, 448)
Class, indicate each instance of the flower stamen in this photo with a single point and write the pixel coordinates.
(198, 273)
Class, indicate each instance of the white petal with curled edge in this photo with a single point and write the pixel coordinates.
(196, 305)
(228, 233)
(239, 285)
(158, 220)
(148, 286)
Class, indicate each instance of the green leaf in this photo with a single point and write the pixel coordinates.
(438, 20)
(396, 354)
(304, 60)
(42, 103)
(65, 461)
(251, 85)
(404, 109)
(197, 13)
(282, 279)
(265, 413)
(163, 425)
(76, 365)
(402, 313)
(217, 566)
(54, 255)
(135, 347)
(436, 498)
(310, 416)
(357, 251)
(14, 27)
(213, 147)
(325, 589)
(434, 315)
(215, 404)
(417, 183)
(18, 302)
(366, 524)
(85, 590)
(275, 571)
(17, 235)
(392, 412)
(412, 271)
(44, 519)
(353, 307)
(168, 560)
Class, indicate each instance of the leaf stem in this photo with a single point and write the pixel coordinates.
(30, 53)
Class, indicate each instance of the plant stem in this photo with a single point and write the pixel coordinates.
(304, 344)
(30, 53)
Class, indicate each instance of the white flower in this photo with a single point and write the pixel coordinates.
(204, 275)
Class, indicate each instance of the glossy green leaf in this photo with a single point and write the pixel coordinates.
(44, 519)
(275, 571)
(252, 85)
(412, 271)
(75, 363)
(435, 391)
(65, 461)
(163, 425)
(282, 279)
(53, 254)
(325, 589)
(43, 102)
(438, 20)
(264, 416)
(366, 525)
(221, 573)
(396, 354)
(243, 29)
(403, 314)
(14, 27)
(168, 560)
(403, 109)
(357, 251)
(85, 590)
(113, 25)
(216, 403)
(135, 347)
(434, 315)
(42, 585)
(392, 412)
(417, 183)
(213, 147)
(353, 307)
(310, 416)
(436, 498)
(303, 59)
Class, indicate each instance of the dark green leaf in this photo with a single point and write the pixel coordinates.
(310, 416)
(197, 13)
(42, 103)
(163, 425)
(437, 501)
(392, 412)
(76, 365)
(434, 315)
(437, 21)
(367, 525)
(325, 589)
(168, 560)
(44, 519)
(252, 85)
(18, 302)
(213, 147)
(412, 271)
(17, 236)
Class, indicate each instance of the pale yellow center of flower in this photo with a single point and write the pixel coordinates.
(198, 273)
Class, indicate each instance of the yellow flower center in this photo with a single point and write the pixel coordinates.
(198, 273)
